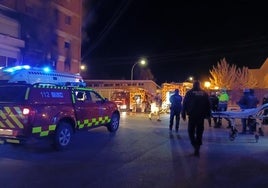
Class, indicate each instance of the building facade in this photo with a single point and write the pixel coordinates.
(261, 75)
(41, 33)
(107, 87)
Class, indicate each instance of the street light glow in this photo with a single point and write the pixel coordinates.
(82, 67)
(141, 62)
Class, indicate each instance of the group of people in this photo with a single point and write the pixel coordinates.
(247, 101)
(219, 103)
(197, 106)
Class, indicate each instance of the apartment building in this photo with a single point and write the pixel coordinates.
(38, 33)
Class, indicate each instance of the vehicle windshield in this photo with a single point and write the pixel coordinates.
(119, 95)
(12, 93)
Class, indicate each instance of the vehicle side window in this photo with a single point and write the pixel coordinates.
(95, 97)
(88, 96)
(81, 96)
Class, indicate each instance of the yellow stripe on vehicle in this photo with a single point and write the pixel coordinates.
(13, 117)
(52, 127)
(9, 123)
(13, 141)
(44, 133)
(2, 114)
(107, 119)
(97, 122)
(80, 125)
(89, 124)
(2, 125)
(19, 112)
(94, 121)
(38, 130)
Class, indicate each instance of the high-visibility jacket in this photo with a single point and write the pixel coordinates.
(223, 98)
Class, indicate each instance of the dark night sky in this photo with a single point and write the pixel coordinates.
(179, 38)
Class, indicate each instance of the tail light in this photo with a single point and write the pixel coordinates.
(30, 113)
(26, 111)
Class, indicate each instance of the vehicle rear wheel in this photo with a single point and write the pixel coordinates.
(63, 136)
(114, 124)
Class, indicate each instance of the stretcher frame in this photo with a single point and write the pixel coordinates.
(252, 113)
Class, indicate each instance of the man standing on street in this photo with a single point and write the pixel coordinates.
(175, 110)
(197, 106)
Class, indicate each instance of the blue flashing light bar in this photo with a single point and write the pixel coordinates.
(46, 69)
(16, 68)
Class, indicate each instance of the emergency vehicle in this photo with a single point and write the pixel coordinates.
(168, 90)
(121, 98)
(132, 99)
(32, 111)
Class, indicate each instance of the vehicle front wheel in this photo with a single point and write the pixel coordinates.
(114, 124)
(63, 136)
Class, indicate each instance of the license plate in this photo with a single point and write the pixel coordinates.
(6, 132)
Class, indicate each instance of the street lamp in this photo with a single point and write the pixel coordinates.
(207, 85)
(83, 67)
(141, 62)
(83, 70)
(191, 78)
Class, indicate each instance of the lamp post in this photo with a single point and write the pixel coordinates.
(141, 62)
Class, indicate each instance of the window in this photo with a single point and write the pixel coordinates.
(67, 45)
(81, 96)
(95, 97)
(68, 20)
(12, 93)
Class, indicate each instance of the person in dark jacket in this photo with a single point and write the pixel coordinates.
(253, 100)
(214, 104)
(265, 101)
(243, 103)
(175, 110)
(252, 103)
(197, 106)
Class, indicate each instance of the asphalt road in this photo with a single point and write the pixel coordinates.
(141, 154)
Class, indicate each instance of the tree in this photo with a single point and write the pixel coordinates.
(245, 79)
(223, 75)
(230, 77)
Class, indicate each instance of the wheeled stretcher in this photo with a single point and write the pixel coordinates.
(256, 114)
